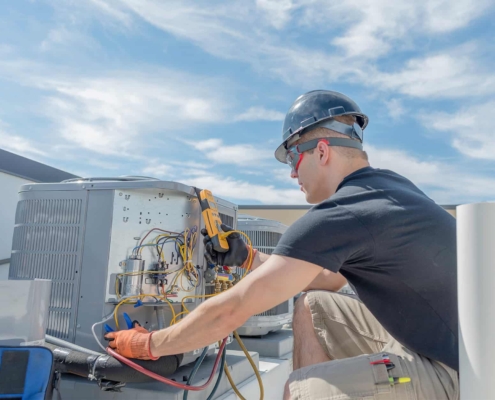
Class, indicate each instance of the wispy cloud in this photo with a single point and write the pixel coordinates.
(68, 38)
(448, 74)
(359, 32)
(242, 191)
(395, 108)
(470, 129)
(260, 114)
(447, 183)
(115, 111)
(19, 145)
(246, 155)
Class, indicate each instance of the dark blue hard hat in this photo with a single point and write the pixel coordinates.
(315, 109)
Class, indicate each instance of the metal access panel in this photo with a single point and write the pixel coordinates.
(79, 234)
(264, 235)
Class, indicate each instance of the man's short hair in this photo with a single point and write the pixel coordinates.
(324, 132)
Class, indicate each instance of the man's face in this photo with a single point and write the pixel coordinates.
(310, 176)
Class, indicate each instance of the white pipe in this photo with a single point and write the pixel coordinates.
(476, 296)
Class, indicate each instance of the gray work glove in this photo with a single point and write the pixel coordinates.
(234, 257)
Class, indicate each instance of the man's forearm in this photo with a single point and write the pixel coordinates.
(259, 259)
(210, 322)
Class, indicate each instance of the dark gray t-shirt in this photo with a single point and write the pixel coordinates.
(397, 248)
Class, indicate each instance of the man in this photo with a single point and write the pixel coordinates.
(370, 227)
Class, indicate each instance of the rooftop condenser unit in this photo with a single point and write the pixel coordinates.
(264, 235)
(103, 240)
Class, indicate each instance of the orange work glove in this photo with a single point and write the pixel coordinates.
(132, 343)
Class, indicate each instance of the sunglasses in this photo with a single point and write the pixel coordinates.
(295, 154)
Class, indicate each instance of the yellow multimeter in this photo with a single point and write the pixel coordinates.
(212, 220)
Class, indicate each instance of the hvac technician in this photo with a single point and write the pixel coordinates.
(370, 227)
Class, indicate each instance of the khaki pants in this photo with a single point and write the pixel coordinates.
(352, 339)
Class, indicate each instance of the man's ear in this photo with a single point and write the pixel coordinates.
(323, 151)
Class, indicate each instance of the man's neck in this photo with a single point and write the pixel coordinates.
(354, 166)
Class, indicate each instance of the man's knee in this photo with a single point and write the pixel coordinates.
(301, 308)
(287, 391)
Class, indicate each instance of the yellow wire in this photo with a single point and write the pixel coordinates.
(231, 381)
(141, 296)
(258, 376)
(250, 254)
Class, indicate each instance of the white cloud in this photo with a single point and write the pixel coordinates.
(470, 128)
(450, 74)
(246, 155)
(260, 114)
(275, 12)
(20, 145)
(395, 108)
(360, 31)
(68, 38)
(104, 164)
(446, 183)
(158, 171)
(238, 190)
(114, 113)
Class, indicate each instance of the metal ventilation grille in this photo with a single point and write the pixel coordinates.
(280, 309)
(52, 211)
(227, 219)
(45, 246)
(263, 241)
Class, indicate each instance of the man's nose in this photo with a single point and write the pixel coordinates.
(293, 173)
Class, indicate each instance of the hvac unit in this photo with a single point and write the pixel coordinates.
(104, 240)
(264, 235)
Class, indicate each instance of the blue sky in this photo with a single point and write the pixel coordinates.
(196, 92)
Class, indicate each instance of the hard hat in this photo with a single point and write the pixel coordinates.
(318, 108)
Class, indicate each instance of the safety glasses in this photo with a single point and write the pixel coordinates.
(295, 154)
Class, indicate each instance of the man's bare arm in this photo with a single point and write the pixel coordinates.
(327, 280)
(259, 259)
(280, 279)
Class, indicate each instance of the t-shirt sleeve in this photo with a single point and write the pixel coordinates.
(328, 235)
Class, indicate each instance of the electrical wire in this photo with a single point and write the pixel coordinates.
(163, 379)
(255, 369)
(220, 374)
(231, 381)
(198, 363)
(105, 319)
(185, 248)
(140, 297)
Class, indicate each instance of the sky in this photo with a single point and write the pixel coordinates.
(196, 91)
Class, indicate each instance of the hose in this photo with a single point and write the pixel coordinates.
(165, 380)
(220, 374)
(103, 366)
(194, 370)
(258, 376)
(69, 345)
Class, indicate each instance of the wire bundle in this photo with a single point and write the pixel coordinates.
(184, 244)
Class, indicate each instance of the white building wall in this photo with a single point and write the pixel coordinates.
(9, 195)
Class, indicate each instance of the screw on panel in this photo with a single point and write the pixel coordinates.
(120, 194)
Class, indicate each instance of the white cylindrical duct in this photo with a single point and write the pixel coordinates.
(476, 296)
